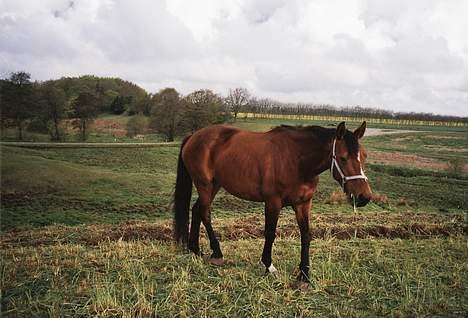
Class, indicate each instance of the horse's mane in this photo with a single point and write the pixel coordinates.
(324, 135)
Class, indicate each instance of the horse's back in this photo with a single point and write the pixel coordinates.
(233, 158)
(216, 139)
(200, 148)
(207, 138)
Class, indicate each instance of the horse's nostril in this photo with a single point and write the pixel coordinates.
(362, 200)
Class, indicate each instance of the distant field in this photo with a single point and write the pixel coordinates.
(376, 121)
(112, 128)
(86, 232)
(266, 124)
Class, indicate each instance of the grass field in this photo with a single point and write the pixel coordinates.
(86, 232)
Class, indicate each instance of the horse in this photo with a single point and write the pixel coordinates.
(280, 167)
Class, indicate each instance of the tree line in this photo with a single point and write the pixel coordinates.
(45, 106)
(259, 107)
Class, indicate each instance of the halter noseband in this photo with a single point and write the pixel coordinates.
(344, 178)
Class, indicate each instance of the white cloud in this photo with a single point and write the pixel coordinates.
(405, 56)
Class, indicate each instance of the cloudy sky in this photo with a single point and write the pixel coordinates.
(399, 55)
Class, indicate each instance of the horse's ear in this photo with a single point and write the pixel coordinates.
(360, 131)
(340, 130)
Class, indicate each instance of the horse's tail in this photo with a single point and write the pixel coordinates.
(182, 196)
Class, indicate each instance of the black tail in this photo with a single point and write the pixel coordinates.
(182, 196)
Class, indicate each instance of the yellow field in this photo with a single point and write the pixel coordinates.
(354, 119)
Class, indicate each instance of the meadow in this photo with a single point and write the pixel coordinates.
(87, 232)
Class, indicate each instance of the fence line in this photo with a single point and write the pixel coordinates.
(88, 144)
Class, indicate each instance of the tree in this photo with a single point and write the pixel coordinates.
(5, 119)
(100, 94)
(141, 106)
(136, 125)
(17, 101)
(202, 108)
(166, 113)
(54, 100)
(120, 104)
(237, 99)
(85, 111)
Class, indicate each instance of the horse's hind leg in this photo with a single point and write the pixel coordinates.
(206, 194)
(193, 243)
(302, 216)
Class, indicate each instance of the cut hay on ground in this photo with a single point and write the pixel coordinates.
(324, 226)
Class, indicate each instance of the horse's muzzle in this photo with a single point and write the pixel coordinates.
(362, 200)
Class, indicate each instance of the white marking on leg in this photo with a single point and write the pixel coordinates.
(272, 269)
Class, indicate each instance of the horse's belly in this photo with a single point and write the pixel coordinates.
(242, 189)
(246, 196)
(239, 174)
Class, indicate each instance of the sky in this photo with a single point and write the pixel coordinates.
(399, 55)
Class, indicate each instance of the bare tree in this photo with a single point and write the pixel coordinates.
(237, 99)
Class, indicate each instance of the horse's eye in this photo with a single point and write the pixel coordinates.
(343, 159)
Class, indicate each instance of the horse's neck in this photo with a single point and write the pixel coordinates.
(323, 153)
(316, 153)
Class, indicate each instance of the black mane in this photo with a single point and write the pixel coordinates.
(325, 135)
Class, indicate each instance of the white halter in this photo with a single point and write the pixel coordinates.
(344, 178)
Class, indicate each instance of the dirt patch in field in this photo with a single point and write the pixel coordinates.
(445, 137)
(447, 149)
(379, 131)
(407, 160)
(10, 199)
(400, 139)
(105, 125)
(339, 226)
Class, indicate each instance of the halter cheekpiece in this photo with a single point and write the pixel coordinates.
(344, 178)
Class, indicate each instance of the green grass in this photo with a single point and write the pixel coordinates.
(437, 145)
(108, 253)
(74, 186)
(354, 278)
(110, 185)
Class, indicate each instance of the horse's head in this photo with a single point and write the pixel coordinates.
(348, 163)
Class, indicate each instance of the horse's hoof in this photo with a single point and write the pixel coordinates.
(216, 261)
(271, 269)
(303, 277)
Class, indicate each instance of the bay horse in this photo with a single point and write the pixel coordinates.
(280, 167)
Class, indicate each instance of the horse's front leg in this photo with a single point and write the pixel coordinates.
(302, 217)
(272, 210)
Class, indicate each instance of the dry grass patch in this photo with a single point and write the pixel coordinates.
(379, 198)
(406, 160)
(323, 226)
(337, 198)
